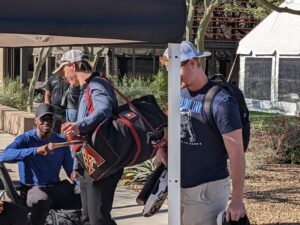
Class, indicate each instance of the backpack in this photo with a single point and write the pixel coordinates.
(129, 137)
(64, 217)
(57, 87)
(219, 83)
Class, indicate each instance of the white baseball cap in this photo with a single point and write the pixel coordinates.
(70, 57)
(188, 51)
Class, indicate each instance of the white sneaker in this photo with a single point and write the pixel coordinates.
(158, 195)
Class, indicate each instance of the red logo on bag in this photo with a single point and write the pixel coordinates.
(130, 115)
(91, 160)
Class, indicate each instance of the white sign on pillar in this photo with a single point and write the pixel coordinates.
(174, 135)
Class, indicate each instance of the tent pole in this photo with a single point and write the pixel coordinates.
(232, 67)
(174, 135)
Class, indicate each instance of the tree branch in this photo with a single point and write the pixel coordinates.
(190, 20)
(43, 55)
(204, 23)
(278, 9)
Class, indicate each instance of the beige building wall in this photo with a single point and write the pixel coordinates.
(1, 64)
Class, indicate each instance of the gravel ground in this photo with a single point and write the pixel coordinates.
(272, 195)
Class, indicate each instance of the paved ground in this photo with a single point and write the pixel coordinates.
(125, 210)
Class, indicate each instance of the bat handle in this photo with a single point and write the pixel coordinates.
(53, 146)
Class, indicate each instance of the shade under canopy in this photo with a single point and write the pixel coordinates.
(34, 23)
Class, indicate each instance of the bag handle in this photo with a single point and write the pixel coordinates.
(126, 99)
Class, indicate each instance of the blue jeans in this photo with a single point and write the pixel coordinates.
(71, 115)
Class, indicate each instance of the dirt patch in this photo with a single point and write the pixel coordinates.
(272, 195)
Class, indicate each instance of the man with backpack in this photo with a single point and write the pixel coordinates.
(205, 147)
(96, 196)
(55, 89)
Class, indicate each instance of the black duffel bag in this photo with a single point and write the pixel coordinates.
(131, 136)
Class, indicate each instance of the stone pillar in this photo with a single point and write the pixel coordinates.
(2, 71)
(48, 68)
(107, 65)
(153, 61)
(133, 60)
(114, 63)
(24, 65)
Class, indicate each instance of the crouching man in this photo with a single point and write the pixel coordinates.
(39, 167)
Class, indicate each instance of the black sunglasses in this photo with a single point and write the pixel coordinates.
(47, 118)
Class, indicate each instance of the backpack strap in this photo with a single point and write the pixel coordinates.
(208, 105)
(88, 99)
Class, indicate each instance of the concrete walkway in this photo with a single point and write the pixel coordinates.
(125, 210)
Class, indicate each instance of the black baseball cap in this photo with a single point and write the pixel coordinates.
(44, 109)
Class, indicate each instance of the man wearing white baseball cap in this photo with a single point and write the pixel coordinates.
(205, 184)
(70, 57)
(96, 102)
(188, 51)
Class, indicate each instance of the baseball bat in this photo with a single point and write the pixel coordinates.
(149, 185)
(53, 146)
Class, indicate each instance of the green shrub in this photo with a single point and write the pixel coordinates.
(159, 88)
(13, 94)
(275, 138)
(133, 87)
(139, 173)
(137, 86)
(290, 146)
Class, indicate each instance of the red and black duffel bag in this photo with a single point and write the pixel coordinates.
(131, 136)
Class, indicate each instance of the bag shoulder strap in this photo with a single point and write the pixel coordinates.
(88, 99)
(129, 103)
(208, 105)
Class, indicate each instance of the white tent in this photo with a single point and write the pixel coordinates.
(270, 63)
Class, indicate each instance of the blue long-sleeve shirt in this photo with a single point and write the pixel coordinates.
(35, 169)
(103, 101)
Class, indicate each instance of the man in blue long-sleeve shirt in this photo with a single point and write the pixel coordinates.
(39, 167)
(96, 196)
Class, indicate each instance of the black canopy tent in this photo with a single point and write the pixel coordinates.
(62, 22)
(36, 23)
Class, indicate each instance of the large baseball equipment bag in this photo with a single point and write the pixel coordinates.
(131, 136)
(218, 84)
(154, 192)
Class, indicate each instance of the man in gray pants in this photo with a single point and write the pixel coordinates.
(205, 185)
(96, 196)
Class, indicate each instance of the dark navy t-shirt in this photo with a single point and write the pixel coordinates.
(203, 154)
